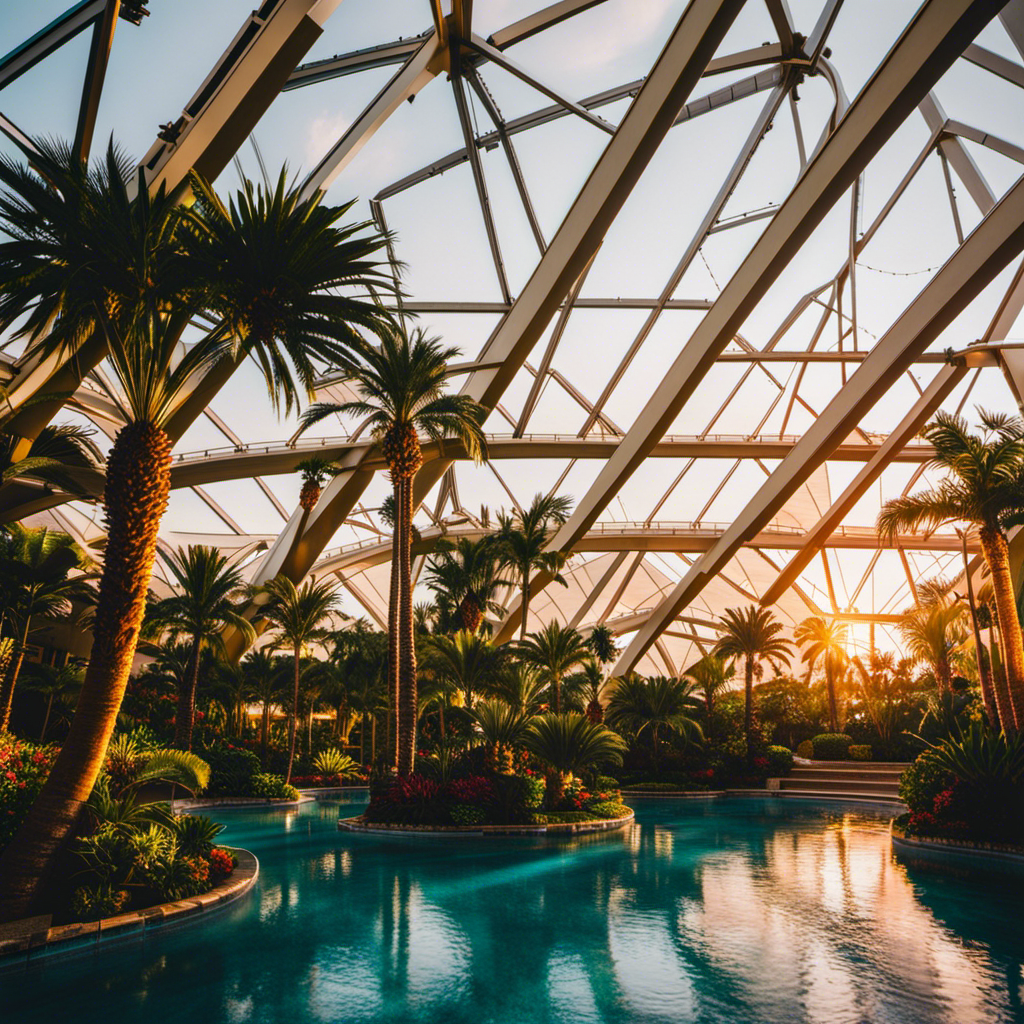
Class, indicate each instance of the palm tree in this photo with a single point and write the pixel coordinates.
(661, 702)
(502, 728)
(570, 743)
(86, 262)
(984, 488)
(34, 581)
(200, 611)
(824, 643)
(298, 615)
(51, 458)
(524, 536)
(465, 576)
(602, 642)
(586, 687)
(315, 473)
(262, 669)
(752, 634)
(711, 676)
(467, 661)
(935, 633)
(401, 384)
(520, 686)
(62, 684)
(556, 650)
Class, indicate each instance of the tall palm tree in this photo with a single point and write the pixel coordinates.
(752, 634)
(524, 536)
(661, 702)
(465, 576)
(467, 661)
(520, 686)
(556, 650)
(585, 687)
(85, 261)
(984, 488)
(199, 611)
(262, 669)
(712, 675)
(824, 643)
(298, 614)
(35, 564)
(602, 642)
(401, 386)
(61, 684)
(936, 634)
(571, 743)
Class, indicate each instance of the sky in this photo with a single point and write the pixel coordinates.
(158, 66)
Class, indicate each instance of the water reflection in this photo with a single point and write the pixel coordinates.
(738, 911)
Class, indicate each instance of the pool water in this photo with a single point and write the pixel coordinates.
(737, 911)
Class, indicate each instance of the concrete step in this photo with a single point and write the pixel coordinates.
(839, 775)
(831, 785)
(875, 768)
(842, 795)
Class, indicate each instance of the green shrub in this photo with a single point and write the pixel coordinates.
(466, 814)
(860, 752)
(516, 796)
(780, 761)
(195, 834)
(831, 746)
(605, 782)
(805, 750)
(561, 817)
(272, 787)
(23, 770)
(922, 782)
(609, 809)
(231, 770)
(655, 787)
(333, 762)
(92, 902)
(175, 877)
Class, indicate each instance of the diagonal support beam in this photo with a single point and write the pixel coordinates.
(997, 240)
(928, 46)
(95, 72)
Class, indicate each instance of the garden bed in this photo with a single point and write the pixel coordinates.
(943, 850)
(33, 938)
(360, 824)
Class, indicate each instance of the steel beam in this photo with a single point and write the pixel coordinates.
(928, 46)
(95, 72)
(38, 47)
(996, 241)
(380, 56)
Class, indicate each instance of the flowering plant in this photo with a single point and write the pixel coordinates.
(23, 770)
(222, 863)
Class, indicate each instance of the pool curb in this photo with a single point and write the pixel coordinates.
(36, 940)
(950, 852)
(357, 825)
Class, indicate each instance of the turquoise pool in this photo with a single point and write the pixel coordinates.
(735, 911)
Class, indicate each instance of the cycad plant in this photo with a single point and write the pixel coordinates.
(555, 650)
(571, 743)
(203, 606)
(466, 661)
(502, 729)
(660, 702)
(86, 261)
(751, 634)
(299, 615)
(524, 535)
(984, 488)
(824, 643)
(402, 393)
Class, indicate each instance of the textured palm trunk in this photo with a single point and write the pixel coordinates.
(833, 704)
(470, 613)
(138, 484)
(293, 721)
(1001, 690)
(186, 716)
(997, 554)
(10, 677)
(595, 711)
(393, 613)
(984, 672)
(524, 604)
(46, 719)
(748, 706)
(943, 675)
(556, 693)
(407, 695)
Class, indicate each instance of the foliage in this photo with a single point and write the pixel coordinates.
(517, 796)
(571, 742)
(555, 651)
(222, 863)
(637, 704)
(333, 762)
(467, 814)
(979, 755)
(178, 767)
(831, 746)
(23, 770)
(780, 761)
(231, 769)
(195, 834)
(922, 781)
(177, 877)
(272, 787)
(805, 750)
(92, 902)
(608, 809)
(859, 752)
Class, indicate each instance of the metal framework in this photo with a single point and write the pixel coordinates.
(735, 387)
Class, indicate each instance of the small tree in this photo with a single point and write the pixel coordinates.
(556, 650)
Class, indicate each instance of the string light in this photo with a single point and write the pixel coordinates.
(899, 273)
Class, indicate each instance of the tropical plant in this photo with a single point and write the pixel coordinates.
(88, 264)
(35, 583)
(401, 387)
(467, 661)
(523, 536)
(199, 611)
(984, 488)
(333, 762)
(555, 650)
(824, 643)
(465, 576)
(586, 686)
(884, 690)
(57, 683)
(711, 676)
(298, 615)
(752, 634)
(52, 458)
(315, 473)
(520, 686)
(502, 729)
(660, 702)
(571, 743)
(602, 642)
(935, 632)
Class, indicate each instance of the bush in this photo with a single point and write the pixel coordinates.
(332, 762)
(23, 770)
(655, 787)
(860, 752)
(516, 797)
(609, 809)
(408, 800)
(175, 878)
(222, 863)
(272, 787)
(92, 902)
(475, 789)
(231, 770)
(780, 761)
(605, 783)
(560, 817)
(831, 746)
(465, 814)
(922, 782)
(195, 834)
(805, 750)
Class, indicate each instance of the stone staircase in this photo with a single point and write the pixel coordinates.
(849, 780)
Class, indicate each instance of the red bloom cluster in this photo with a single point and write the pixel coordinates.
(476, 789)
(23, 770)
(222, 863)
(412, 789)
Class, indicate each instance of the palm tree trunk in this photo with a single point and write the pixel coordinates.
(997, 554)
(524, 604)
(46, 719)
(984, 671)
(393, 614)
(1002, 691)
(187, 700)
(11, 677)
(556, 693)
(830, 687)
(138, 484)
(265, 732)
(293, 721)
(748, 706)
(407, 696)
(943, 675)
